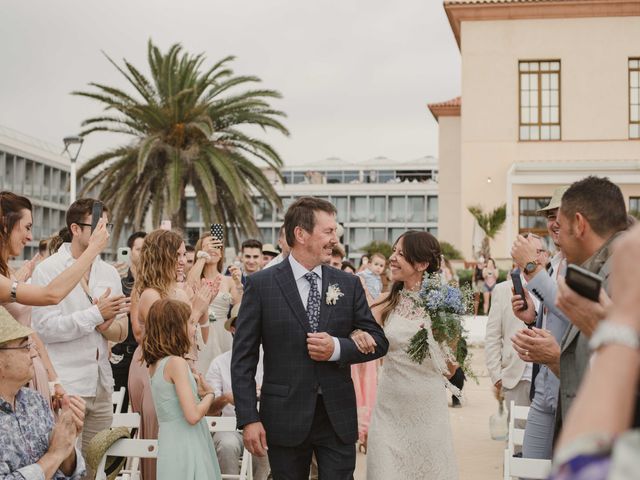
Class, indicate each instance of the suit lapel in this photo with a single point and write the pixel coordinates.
(325, 310)
(289, 289)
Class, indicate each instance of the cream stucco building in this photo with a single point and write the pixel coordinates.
(550, 94)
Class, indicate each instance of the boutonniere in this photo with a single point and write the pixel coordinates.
(333, 294)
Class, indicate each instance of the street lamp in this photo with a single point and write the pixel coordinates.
(72, 146)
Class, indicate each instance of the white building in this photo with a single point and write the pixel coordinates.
(376, 200)
(37, 170)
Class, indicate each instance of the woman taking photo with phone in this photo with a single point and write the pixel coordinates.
(161, 263)
(209, 265)
(17, 297)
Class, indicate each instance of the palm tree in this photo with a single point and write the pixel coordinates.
(491, 223)
(186, 128)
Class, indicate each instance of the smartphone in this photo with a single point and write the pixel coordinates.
(519, 289)
(217, 231)
(165, 225)
(124, 255)
(583, 282)
(96, 215)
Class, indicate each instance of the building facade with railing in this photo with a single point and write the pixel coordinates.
(376, 200)
(37, 170)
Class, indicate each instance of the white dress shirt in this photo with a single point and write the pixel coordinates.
(303, 289)
(219, 377)
(78, 351)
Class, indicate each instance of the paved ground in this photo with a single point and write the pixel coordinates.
(479, 457)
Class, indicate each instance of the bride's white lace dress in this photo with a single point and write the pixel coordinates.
(410, 434)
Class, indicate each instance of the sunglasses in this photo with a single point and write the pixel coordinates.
(26, 346)
(108, 225)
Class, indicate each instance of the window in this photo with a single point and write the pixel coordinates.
(359, 238)
(634, 206)
(397, 209)
(286, 203)
(264, 210)
(416, 211)
(351, 176)
(341, 206)
(359, 211)
(378, 234)
(377, 210)
(529, 219)
(266, 235)
(432, 209)
(193, 212)
(634, 98)
(394, 233)
(540, 100)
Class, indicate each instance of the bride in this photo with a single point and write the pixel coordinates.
(410, 434)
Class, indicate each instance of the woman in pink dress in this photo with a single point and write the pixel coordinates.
(18, 297)
(161, 263)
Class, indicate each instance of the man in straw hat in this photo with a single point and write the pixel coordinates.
(229, 444)
(32, 445)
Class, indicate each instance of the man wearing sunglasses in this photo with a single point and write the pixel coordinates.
(76, 330)
(31, 444)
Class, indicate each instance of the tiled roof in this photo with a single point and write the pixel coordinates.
(459, 11)
(449, 108)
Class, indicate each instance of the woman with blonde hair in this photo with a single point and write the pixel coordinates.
(209, 265)
(161, 263)
(17, 297)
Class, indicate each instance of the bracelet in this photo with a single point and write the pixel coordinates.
(209, 393)
(13, 293)
(609, 332)
(53, 383)
(203, 254)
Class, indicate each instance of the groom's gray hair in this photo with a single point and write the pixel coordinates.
(301, 214)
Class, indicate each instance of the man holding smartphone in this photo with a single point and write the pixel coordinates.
(540, 343)
(76, 331)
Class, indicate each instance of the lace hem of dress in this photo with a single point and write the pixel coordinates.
(439, 352)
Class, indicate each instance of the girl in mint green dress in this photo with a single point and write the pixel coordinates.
(185, 448)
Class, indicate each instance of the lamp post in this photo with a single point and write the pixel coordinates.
(72, 146)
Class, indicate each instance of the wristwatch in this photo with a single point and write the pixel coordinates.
(530, 267)
(609, 332)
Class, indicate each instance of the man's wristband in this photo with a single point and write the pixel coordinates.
(608, 332)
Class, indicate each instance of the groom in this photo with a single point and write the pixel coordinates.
(302, 311)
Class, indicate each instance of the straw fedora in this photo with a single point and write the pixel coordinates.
(232, 316)
(268, 248)
(99, 445)
(555, 201)
(10, 328)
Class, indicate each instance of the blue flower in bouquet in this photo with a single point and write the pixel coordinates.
(434, 300)
(453, 300)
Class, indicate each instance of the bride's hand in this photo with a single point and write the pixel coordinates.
(364, 341)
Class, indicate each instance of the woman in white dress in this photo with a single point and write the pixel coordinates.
(208, 265)
(410, 434)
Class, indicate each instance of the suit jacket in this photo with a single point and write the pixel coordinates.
(502, 360)
(574, 349)
(272, 313)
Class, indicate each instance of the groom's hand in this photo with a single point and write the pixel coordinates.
(320, 346)
(255, 439)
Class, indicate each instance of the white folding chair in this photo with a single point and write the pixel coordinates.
(129, 420)
(130, 448)
(117, 398)
(516, 435)
(228, 424)
(530, 468)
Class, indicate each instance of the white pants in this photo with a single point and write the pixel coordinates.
(98, 416)
(229, 449)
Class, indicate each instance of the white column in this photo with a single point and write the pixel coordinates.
(72, 180)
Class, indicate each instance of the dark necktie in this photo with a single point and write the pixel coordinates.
(313, 301)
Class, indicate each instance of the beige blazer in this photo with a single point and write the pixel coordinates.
(502, 360)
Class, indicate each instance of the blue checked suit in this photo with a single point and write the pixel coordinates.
(272, 313)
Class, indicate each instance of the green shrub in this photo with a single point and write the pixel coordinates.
(450, 252)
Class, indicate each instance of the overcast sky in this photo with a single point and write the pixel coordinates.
(355, 75)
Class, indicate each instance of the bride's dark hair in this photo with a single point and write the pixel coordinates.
(417, 247)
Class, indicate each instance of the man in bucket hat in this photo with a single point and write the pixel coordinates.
(32, 445)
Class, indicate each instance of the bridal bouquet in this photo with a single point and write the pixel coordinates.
(445, 304)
